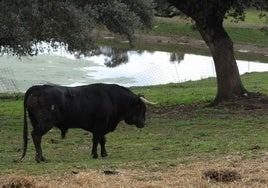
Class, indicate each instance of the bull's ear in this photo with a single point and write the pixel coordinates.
(136, 100)
(140, 95)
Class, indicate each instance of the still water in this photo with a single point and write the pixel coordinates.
(128, 68)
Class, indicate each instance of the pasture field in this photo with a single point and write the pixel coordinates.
(244, 32)
(184, 144)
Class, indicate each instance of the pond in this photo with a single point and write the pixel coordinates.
(109, 65)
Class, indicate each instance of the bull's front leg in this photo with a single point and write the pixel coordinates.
(95, 141)
(102, 143)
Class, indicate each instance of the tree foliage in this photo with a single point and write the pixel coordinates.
(26, 23)
(233, 8)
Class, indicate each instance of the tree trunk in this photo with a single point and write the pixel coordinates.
(229, 84)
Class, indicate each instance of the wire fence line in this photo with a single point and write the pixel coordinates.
(11, 83)
(170, 73)
(7, 82)
(141, 70)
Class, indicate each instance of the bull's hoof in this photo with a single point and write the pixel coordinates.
(40, 159)
(95, 156)
(104, 154)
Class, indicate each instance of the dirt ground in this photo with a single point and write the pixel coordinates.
(254, 104)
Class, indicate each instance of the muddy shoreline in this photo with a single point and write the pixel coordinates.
(175, 40)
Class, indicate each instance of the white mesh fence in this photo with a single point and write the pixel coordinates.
(7, 82)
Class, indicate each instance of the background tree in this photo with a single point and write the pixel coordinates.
(208, 16)
(26, 23)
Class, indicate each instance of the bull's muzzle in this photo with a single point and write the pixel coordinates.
(141, 124)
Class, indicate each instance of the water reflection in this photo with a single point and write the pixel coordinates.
(115, 57)
(176, 57)
(151, 68)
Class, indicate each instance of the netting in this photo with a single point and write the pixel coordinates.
(158, 74)
(7, 81)
(169, 73)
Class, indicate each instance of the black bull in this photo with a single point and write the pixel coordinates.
(97, 108)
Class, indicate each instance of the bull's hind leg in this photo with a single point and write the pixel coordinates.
(37, 134)
(102, 143)
(37, 143)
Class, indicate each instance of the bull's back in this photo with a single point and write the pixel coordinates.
(89, 100)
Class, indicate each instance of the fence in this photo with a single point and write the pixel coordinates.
(13, 78)
(7, 81)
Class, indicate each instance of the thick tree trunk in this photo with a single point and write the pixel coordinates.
(229, 83)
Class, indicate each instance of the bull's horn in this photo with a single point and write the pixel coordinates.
(146, 101)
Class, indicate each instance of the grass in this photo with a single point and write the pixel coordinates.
(165, 28)
(185, 93)
(202, 134)
(240, 33)
(248, 36)
(252, 17)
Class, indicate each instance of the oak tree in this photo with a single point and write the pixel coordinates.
(208, 16)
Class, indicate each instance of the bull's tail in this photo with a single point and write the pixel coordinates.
(25, 127)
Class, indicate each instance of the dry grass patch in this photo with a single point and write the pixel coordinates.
(229, 172)
(221, 175)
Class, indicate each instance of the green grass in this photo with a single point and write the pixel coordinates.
(256, 83)
(185, 93)
(239, 35)
(252, 17)
(165, 28)
(168, 140)
(248, 36)
(200, 91)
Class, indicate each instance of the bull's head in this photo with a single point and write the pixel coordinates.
(136, 114)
